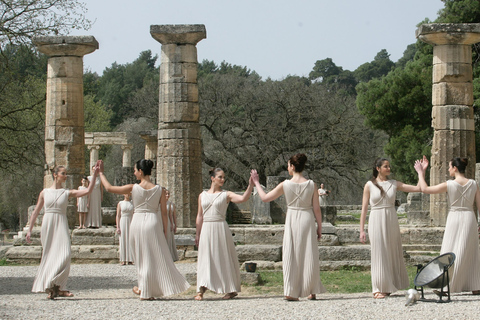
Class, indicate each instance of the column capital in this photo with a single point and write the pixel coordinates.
(57, 46)
(449, 33)
(127, 146)
(93, 146)
(178, 34)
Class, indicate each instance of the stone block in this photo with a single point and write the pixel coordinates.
(329, 214)
(267, 235)
(178, 53)
(452, 53)
(259, 252)
(430, 236)
(101, 236)
(178, 92)
(344, 253)
(453, 118)
(452, 72)
(179, 112)
(178, 72)
(55, 46)
(191, 254)
(348, 235)
(178, 34)
(94, 253)
(418, 209)
(238, 235)
(24, 254)
(109, 214)
(185, 239)
(445, 93)
(329, 240)
(260, 210)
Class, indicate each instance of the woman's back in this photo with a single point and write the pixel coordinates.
(299, 195)
(461, 197)
(146, 200)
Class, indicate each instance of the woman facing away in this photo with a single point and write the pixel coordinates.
(461, 229)
(301, 267)
(52, 274)
(94, 216)
(124, 219)
(217, 267)
(388, 270)
(172, 227)
(82, 204)
(157, 274)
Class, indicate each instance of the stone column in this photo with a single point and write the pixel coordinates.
(452, 100)
(93, 155)
(179, 163)
(151, 145)
(64, 120)
(127, 155)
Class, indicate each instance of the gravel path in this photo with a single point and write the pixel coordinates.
(104, 291)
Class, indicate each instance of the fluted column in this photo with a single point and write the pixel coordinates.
(127, 155)
(179, 164)
(64, 120)
(452, 100)
(93, 154)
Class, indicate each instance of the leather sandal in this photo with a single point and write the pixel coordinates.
(230, 295)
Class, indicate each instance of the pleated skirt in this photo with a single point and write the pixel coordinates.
(217, 264)
(301, 266)
(55, 263)
(172, 246)
(125, 251)
(461, 238)
(94, 216)
(388, 270)
(157, 274)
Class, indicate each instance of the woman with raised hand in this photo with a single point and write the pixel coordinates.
(157, 274)
(52, 274)
(461, 229)
(217, 267)
(388, 270)
(301, 267)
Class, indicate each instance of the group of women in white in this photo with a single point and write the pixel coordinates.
(218, 267)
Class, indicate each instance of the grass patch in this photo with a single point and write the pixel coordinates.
(348, 280)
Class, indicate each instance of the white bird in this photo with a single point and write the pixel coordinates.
(412, 297)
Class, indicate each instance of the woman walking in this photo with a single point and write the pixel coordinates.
(388, 270)
(301, 267)
(217, 267)
(157, 274)
(461, 229)
(52, 274)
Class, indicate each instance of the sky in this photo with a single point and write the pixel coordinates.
(275, 38)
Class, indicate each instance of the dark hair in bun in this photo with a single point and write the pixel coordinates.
(298, 161)
(460, 163)
(213, 171)
(145, 165)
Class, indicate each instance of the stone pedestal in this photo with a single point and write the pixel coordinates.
(179, 163)
(64, 120)
(417, 209)
(452, 99)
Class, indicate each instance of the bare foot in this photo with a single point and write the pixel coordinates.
(380, 295)
(136, 290)
(198, 297)
(65, 293)
(312, 297)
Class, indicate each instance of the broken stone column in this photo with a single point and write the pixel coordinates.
(127, 155)
(64, 120)
(452, 100)
(179, 164)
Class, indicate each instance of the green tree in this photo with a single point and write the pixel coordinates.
(379, 67)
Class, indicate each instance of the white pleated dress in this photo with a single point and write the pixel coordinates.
(217, 267)
(126, 214)
(461, 237)
(55, 237)
(82, 202)
(301, 266)
(388, 270)
(157, 274)
(94, 216)
(170, 234)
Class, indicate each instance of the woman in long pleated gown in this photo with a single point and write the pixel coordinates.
(461, 233)
(172, 227)
(301, 266)
(157, 274)
(124, 219)
(94, 215)
(388, 270)
(217, 265)
(52, 274)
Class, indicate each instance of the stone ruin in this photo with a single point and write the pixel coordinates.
(177, 145)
